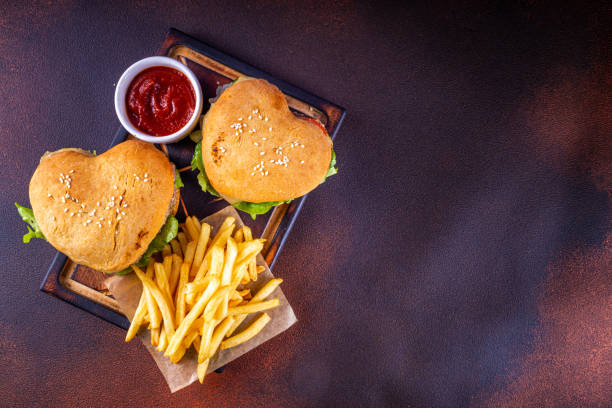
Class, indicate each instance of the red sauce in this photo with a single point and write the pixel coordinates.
(160, 101)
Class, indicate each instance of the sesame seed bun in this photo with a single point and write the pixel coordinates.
(254, 149)
(103, 211)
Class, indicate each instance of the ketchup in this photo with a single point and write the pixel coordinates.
(160, 101)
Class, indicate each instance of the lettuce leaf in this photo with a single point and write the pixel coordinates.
(255, 209)
(28, 216)
(178, 181)
(163, 237)
(332, 167)
(198, 164)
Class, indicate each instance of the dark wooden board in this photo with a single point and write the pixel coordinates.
(83, 287)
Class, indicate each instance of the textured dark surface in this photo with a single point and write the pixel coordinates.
(461, 257)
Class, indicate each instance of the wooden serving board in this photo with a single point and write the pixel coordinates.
(84, 287)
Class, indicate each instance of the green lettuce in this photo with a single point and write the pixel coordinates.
(198, 164)
(28, 216)
(163, 237)
(332, 167)
(178, 181)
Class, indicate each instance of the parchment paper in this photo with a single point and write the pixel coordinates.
(127, 289)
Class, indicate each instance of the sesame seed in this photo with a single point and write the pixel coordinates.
(123, 212)
(266, 173)
(263, 138)
(65, 210)
(99, 225)
(124, 205)
(98, 203)
(135, 175)
(106, 208)
(145, 180)
(101, 218)
(71, 171)
(72, 214)
(49, 195)
(302, 146)
(252, 174)
(269, 129)
(84, 224)
(120, 197)
(67, 195)
(302, 162)
(266, 118)
(109, 222)
(117, 211)
(53, 217)
(256, 111)
(253, 130)
(146, 175)
(115, 186)
(255, 143)
(88, 221)
(262, 153)
(82, 205)
(79, 214)
(116, 232)
(118, 217)
(239, 118)
(260, 117)
(249, 118)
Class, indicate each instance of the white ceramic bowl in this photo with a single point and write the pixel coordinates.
(126, 80)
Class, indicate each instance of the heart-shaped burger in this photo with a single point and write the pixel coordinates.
(104, 211)
(256, 153)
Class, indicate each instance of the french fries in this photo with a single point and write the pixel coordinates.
(194, 297)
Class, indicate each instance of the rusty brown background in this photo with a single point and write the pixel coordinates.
(461, 257)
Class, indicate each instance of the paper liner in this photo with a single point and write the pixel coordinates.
(127, 289)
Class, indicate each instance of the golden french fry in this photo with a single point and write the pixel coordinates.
(193, 314)
(234, 302)
(231, 252)
(180, 293)
(196, 223)
(138, 318)
(190, 338)
(163, 341)
(189, 252)
(166, 250)
(176, 247)
(223, 307)
(155, 336)
(225, 231)
(200, 248)
(267, 289)
(249, 249)
(248, 333)
(245, 279)
(248, 236)
(201, 370)
(253, 307)
(239, 235)
(215, 301)
(163, 303)
(218, 335)
(216, 264)
(175, 273)
(260, 268)
(182, 238)
(207, 331)
(190, 229)
(151, 270)
(161, 279)
(245, 293)
(263, 293)
(168, 268)
(176, 357)
(154, 313)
